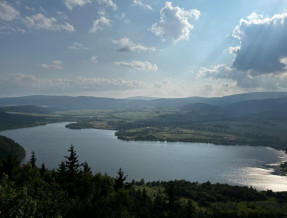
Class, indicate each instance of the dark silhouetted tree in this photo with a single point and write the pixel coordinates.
(43, 169)
(72, 162)
(33, 159)
(119, 182)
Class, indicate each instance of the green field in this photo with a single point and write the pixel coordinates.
(156, 125)
(191, 123)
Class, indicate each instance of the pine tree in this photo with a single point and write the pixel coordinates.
(119, 182)
(69, 172)
(72, 162)
(33, 159)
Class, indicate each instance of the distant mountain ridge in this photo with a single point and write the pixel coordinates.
(232, 102)
(141, 98)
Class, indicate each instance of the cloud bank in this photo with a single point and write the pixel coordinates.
(261, 58)
(30, 83)
(262, 44)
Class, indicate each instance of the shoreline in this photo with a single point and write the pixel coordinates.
(263, 166)
(122, 135)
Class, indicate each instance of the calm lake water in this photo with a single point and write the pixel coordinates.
(236, 165)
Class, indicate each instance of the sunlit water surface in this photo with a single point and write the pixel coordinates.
(236, 165)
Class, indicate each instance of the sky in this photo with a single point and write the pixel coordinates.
(124, 48)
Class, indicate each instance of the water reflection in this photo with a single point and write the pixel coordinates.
(259, 178)
(236, 165)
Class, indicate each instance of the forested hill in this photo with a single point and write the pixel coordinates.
(84, 102)
(8, 146)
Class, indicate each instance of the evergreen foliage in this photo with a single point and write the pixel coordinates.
(119, 181)
(33, 159)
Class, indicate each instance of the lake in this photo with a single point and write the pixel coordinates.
(152, 161)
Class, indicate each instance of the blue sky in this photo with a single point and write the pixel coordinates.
(158, 48)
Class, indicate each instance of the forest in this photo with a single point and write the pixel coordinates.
(72, 190)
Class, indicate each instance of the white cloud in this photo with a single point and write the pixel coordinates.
(109, 3)
(262, 44)
(7, 12)
(128, 45)
(138, 65)
(174, 23)
(233, 50)
(142, 5)
(55, 65)
(70, 4)
(77, 46)
(41, 22)
(94, 59)
(220, 71)
(243, 79)
(100, 23)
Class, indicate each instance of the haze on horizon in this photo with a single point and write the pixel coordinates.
(114, 48)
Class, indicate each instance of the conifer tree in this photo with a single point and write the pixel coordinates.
(43, 169)
(72, 162)
(119, 182)
(33, 159)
